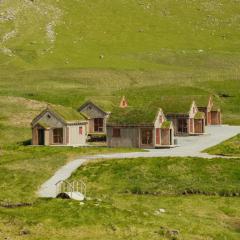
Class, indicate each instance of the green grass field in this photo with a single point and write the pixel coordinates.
(153, 47)
(66, 52)
(117, 209)
(230, 147)
(162, 176)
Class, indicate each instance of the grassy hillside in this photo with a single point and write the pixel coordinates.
(124, 217)
(65, 52)
(119, 209)
(162, 176)
(103, 49)
(230, 147)
(129, 34)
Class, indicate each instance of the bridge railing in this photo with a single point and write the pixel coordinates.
(64, 186)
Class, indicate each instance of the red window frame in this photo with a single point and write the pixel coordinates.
(98, 124)
(147, 136)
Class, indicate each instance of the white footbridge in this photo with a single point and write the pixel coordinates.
(76, 190)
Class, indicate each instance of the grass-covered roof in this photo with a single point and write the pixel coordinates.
(199, 115)
(174, 104)
(44, 124)
(105, 106)
(66, 113)
(133, 115)
(166, 124)
(202, 101)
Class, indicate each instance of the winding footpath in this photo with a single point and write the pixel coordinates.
(191, 146)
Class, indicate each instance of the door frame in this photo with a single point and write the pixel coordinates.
(41, 136)
(141, 137)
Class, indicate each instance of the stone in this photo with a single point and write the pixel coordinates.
(24, 231)
(173, 233)
(161, 210)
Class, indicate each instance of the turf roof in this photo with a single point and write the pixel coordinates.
(66, 113)
(133, 115)
(175, 104)
(199, 115)
(166, 124)
(44, 124)
(202, 101)
(102, 105)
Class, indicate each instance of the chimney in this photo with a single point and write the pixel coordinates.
(123, 103)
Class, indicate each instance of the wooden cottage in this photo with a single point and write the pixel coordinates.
(186, 118)
(212, 112)
(58, 125)
(96, 117)
(139, 128)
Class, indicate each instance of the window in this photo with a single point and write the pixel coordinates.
(98, 125)
(182, 125)
(58, 135)
(116, 132)
(80, 130)
(147, 136)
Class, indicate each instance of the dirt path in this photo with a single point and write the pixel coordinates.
(188, 147)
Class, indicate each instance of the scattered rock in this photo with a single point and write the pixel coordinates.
(159, 211)
(14, 205)
(168, 233)
(24, 231)
(112, 227)
(172, 234)
(101, 56)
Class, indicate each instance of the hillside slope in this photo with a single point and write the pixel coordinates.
(66, 52)
(118, 33)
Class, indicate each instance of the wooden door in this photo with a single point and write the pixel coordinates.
(198, 125)
(215, 117)
(147, 136)
(41, 136)
(165, 133)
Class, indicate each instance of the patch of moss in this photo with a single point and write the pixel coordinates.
(68, 114)
(166, 124)
(199, 115)
(133, 115)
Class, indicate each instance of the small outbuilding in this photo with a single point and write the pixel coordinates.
(186, 118)
(96, 118)
(59, 126)
(212, 112)
(139, 128)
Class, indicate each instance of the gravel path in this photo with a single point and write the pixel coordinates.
(188, 146)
